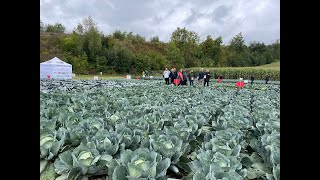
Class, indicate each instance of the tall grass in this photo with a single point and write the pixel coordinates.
(243, 72)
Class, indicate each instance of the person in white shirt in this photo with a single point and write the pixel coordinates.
(166, 74)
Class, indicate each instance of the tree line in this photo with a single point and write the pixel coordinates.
(91, 51)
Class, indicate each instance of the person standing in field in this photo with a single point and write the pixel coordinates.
(143, 74)
(206, 78)
(180, 77)
(201, 75)
(147, 73)
(172, 75)
(185, 77)
(219, 79)
(252, 79)
(267, 78)
(191, 77)
(166, 74)
(175, 73)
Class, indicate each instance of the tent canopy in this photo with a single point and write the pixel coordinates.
(54, 62)
(55, 69)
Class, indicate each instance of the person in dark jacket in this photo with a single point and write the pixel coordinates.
(172, 76)
(185, 77)
(191, 77)
(252, 79)
(206, 78)
(201, 75)
(175, 73)
(267, 78)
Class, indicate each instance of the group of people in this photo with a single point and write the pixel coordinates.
(267, 78)
(145, 73)
(181, 77)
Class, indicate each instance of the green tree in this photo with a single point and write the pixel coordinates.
(262, 54)
(124, 60)
(223, 62)
(206, 61)
(211, 51)
(102, 64)
(141, 62)
(207, 47)
(41, 26)
(183, 37)
(237, 43)
(276, 50)
(154, 40)
(207, 52)
(91, 39)
(79, 63)
(157, 61)
(120, 35)
(217, 50)
(88, 24)
(79, 29)
(268, 56)
(73, 44)
(93, 42)
(174, 56)
(105, 42)
(238, 52)
(90, 50)
(111, 59)
(257, 47)
(188, 44)
(256, 59)
(57, 28)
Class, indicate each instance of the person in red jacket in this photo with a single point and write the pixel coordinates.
(180, 76)
(219, 79)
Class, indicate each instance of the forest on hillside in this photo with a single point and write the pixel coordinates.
(91, 51)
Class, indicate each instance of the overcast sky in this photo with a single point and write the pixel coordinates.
(258, 20)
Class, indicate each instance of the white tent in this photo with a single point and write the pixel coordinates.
(55, 69)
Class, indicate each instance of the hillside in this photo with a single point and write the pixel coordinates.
(121, 52)
(49, 45)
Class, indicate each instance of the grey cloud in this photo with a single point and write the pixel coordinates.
(258, 20)
(194, 16)
(221, 12)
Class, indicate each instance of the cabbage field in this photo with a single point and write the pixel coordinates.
(131, 129)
